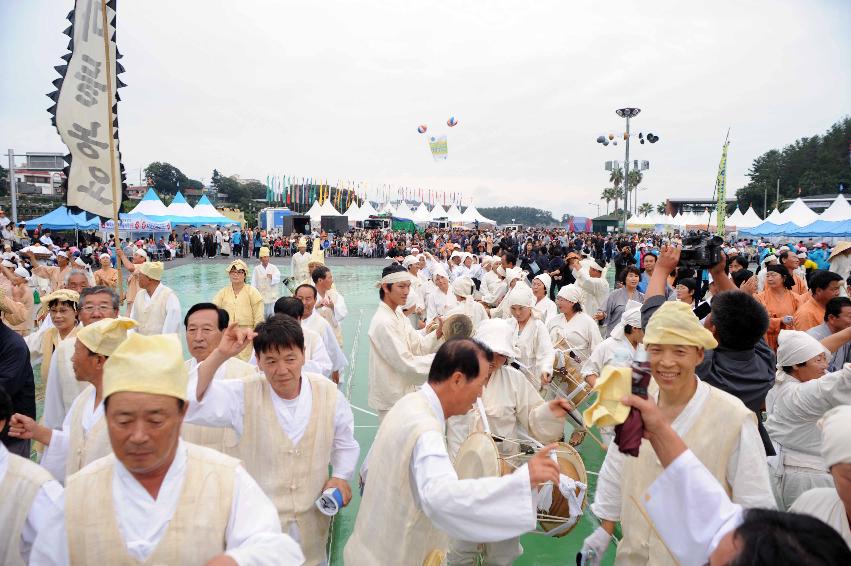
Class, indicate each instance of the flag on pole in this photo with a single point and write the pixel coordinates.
(721, 188)
(85, 109)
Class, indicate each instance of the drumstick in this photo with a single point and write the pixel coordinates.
(597, 440)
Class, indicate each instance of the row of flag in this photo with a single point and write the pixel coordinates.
(307, 190)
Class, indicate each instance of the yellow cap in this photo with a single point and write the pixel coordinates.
(264, 252)
(147, 364)
(302, 242)
(318, 254)
(152, 269)
(104, 336)
(237, 264)
(67, 295)
(675, 323)
(607, 410)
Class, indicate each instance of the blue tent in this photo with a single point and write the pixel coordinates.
(823, 229)
(771, 229)
(63, 219)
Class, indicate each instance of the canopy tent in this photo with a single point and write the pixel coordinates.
(438, 213)
(472, 215)
(205, 213)
(367, 210)
(733, 219)
(838, 210)
(799, 214)
(63, 219)
(775, 217)
(180, 211)
(137, 223)
(315, 212)
(151, 206)
(386, 208)
(327, 209)
(353, 213)
(403, 211)
(749, 219)
(421, 214)
(453, 214)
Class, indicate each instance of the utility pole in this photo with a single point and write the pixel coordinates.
(778, 194)
(13, 187)
(626, 113)
(765, 204)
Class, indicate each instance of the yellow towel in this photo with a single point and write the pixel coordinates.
(611, 387)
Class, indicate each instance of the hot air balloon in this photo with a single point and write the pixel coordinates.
(451, 122)
(611, 137)
(422, 128)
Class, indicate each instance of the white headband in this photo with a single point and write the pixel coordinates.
(396, 277)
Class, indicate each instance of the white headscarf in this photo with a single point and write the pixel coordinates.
(631, 316)
(571, 293)
(795, 347)
(522, 296)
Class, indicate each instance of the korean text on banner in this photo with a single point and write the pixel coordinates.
(439, 147)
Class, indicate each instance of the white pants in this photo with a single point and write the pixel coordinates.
(268, 309)
(502, 553)
(795, 480)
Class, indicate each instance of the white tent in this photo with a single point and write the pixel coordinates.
(838, 210)
(775, 217)
(733, 219)
(180, 210)
(799, 214)
(472, 215)
(402, 211)
(454, 214)
(205, 213)
(421, 214)
(438, 212)
(315, 212)
(749, 219)
(367, 210)
(328, 209)
(385, 208)
(150, 205)
(353, 213)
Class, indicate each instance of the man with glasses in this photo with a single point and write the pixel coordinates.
(96, 303)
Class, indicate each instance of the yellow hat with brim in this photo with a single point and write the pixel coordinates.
(839, 248)
(264, 252)
(676, 323)
(152, 269)
(65, 295)
(147, 364)
(104, 336)
(239, 265)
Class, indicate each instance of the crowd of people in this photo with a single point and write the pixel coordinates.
(226, 457)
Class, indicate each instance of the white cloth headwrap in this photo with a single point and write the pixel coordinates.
(836, 436)
(396, 277)
(546, 280)
(521, 295)
(21, 272)
(409, 261)
(571, 293)
(439, 269)
(631, 316)
(795, 347)
(595, 265)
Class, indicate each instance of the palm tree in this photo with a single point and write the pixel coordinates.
(616, 179)
(645, 209)
(661, 208)
(607, 195)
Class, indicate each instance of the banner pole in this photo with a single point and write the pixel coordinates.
(115, 194)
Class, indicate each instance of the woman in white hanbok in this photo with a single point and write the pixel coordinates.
(573, 333)
(533, 340)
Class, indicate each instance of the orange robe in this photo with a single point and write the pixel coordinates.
(779, 305)
(809, 315)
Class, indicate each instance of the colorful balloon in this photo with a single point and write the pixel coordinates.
(451, 122)
(422, 128)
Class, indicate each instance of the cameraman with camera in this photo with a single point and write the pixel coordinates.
(742, 364)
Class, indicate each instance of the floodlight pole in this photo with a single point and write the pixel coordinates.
(13, 187)
(626, 113)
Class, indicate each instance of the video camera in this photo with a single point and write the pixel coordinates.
(701, 250)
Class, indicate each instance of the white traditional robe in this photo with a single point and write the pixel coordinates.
(336, 316)
(253, 531)
(439, 303)
(486, 509)
(56, 453)
(596, 290)
(794, 409)
(490, 283)
(581, 333)
(62, 385)
(335, 353)
(269, 289)
(536, 349)
(747, 472)
(824, 504)
(172, 318)
(47, 501)
(604, 353)
(690, 510)
(547, 309)
(298, 266)
(399, 357)
(471, 308)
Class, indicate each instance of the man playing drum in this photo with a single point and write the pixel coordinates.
(413, 498)
(510, 402)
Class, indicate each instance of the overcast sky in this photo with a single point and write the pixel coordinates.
(336, 89)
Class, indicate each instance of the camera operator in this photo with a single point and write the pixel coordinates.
(743, 364)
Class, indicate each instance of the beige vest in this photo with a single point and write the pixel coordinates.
(222, 439)
(85, 447)
(328, 314)
(195, 534)
(17, 492)
(68, 383)
(150, 314)
(50, 340)
(712, 438)
(292, 475)
(390, 528)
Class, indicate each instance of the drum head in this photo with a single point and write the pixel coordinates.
(571, 465)
(477, 457)
(457, 326)
(571, 384)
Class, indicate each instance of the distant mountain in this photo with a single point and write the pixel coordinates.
(525, 215)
